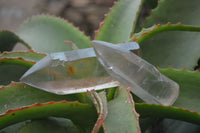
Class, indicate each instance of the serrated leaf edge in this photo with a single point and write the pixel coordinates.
(56, 17)
(102, 23)
(28, 51)
(157, 28)
(170, 114)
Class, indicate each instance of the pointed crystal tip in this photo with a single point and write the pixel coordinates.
(69, 72)
(132, 71)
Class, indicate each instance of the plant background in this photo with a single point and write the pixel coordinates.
(87, 10)
(85, 14)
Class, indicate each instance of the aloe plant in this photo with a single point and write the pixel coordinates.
(168, 38)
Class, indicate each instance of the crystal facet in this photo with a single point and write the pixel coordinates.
(71, 72)
(132, 71)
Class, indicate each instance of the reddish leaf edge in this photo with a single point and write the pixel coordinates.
(58, 17)
(16, 61)
(105, 16)
(29, 55)
(171, 112)
(37, 111)
(137, 115)
(19, 39)
(28, 51)
(146, 33)
(101, 107)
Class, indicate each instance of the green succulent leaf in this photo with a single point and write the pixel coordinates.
(11, 69)
(49, 125)
(100, 102)
(121, 114)
(17, 95)
(14, 64)
(155, 29)
(186, 108)
(35, 104)
(189, 87)
(160, 111)
(8, 40)
(120, 22)
(27, 55)
(82, 114)
(176, 48)
(177, 11)
(152, 3)
(175, 126)
(47, 34)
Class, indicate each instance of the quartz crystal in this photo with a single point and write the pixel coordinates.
(71, 72)
(132, 71)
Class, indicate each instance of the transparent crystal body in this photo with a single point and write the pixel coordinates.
(69, 72)
(132, 71)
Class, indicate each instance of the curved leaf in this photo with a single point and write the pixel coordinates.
(82, 114)
(121, 116)
(100, 102)
(47, 34)
(49, 125)
(17, 95)
(152, 3)
(27, 55)
(120, 22)
(155, 29)
(11, 69)
(8, 40)
(160, 111)
(167, 48)
(183, 11)
(175, 126)
(189, 87)
(14, 64)
(14, 128)
(186, 106)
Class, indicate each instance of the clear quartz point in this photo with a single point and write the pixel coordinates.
(132, 71)
(71, 72)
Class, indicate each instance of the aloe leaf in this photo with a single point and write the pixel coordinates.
(172, 126)
(189, 87)
(8, 40)
(188, 98)
(100, 102)
(14, 128)
(167, 48)
(155, 29)
(11, 69)
(81, 114)
(47, 34)
(120, 22)
(13, 98)
(186, 108)
(27, 55)
(152, 3)
(49, 125)
(160, 111)
(121, 114)
(17, 95)
(182, 11)
(14, 64)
